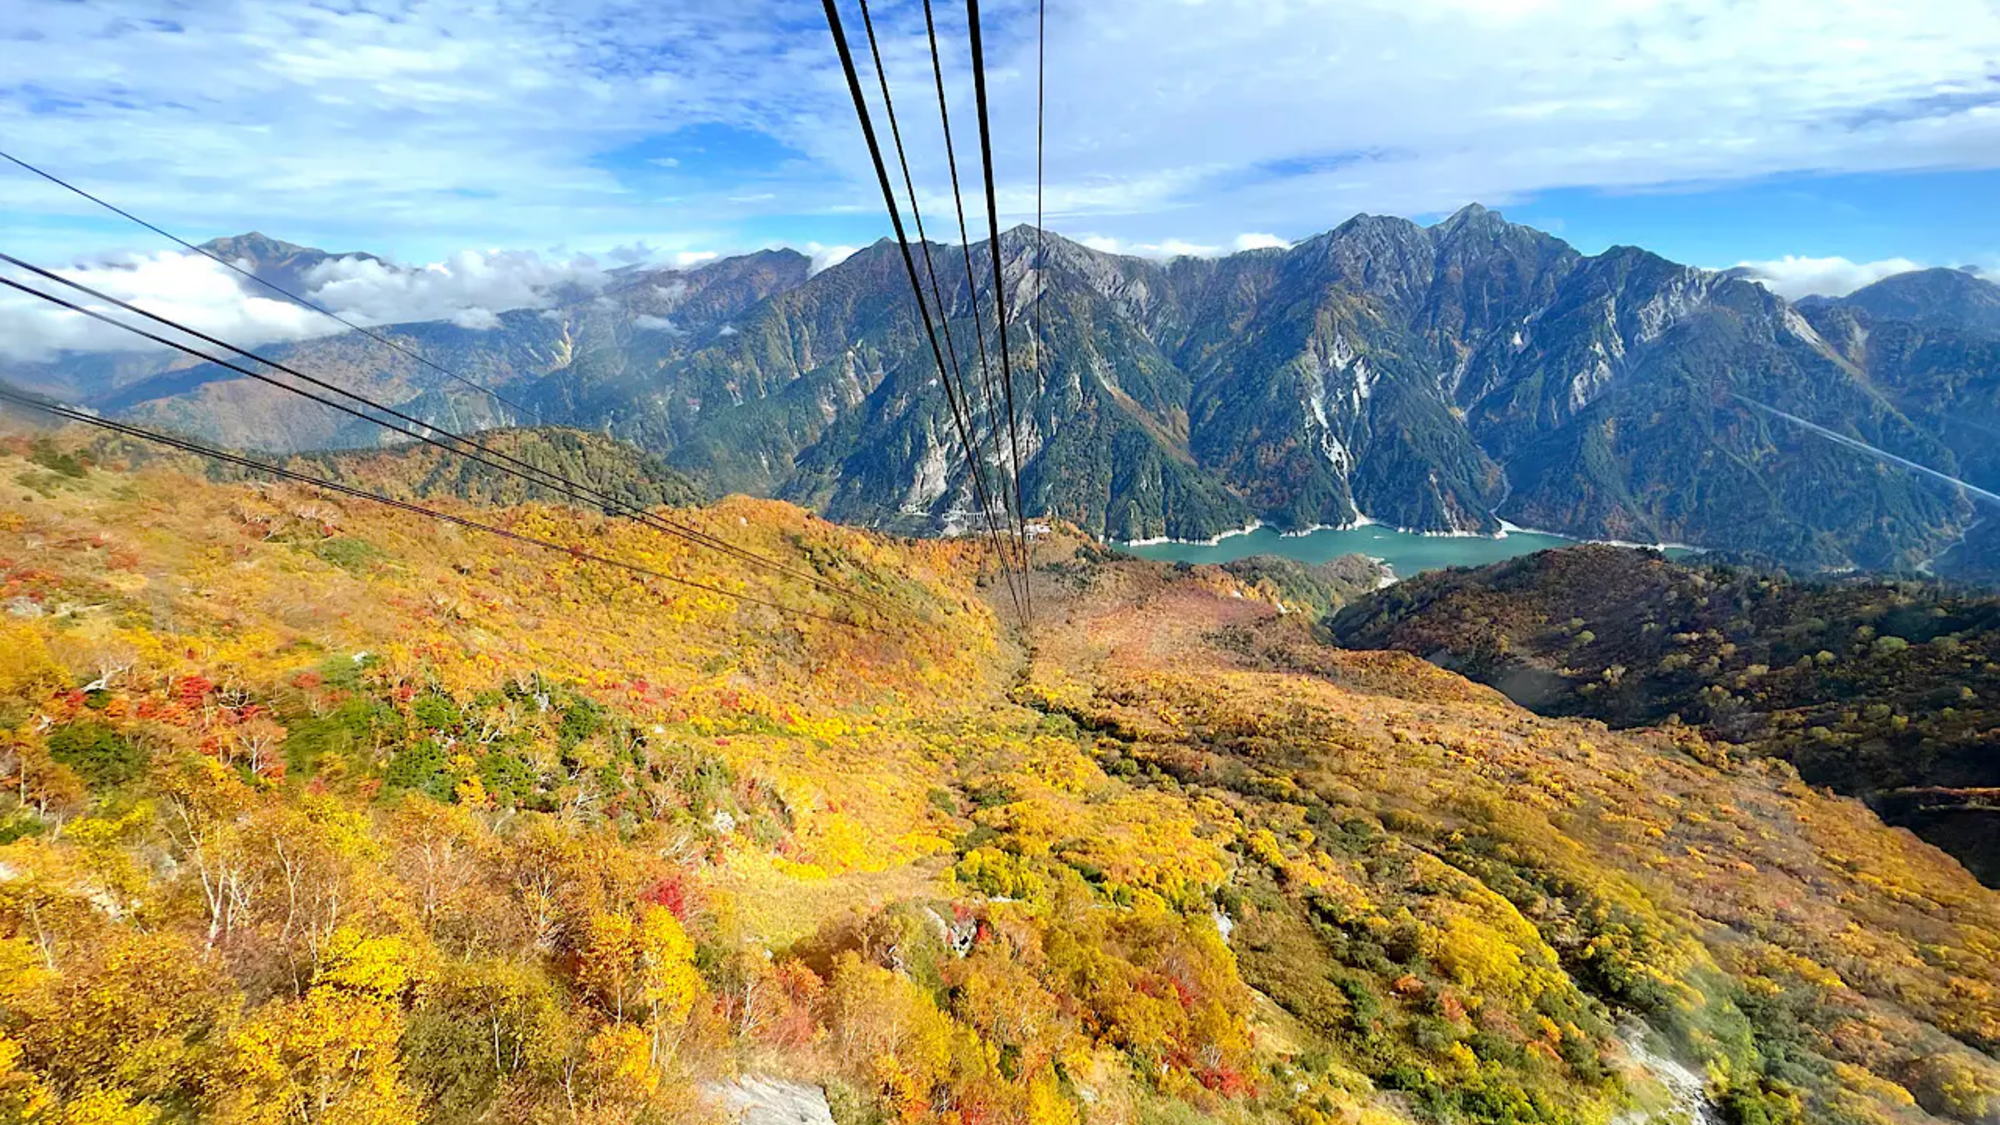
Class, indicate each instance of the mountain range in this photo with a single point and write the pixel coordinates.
(1449, 379)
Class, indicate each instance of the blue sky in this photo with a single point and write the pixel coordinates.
(1854, 137)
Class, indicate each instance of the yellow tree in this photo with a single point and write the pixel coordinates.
(23, 1094)
(205, 807)
(641, 966)
(330, 1057)
(668, 980)
(139, 1014)
(38, 780)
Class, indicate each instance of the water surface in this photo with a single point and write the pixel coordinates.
(1407, 553)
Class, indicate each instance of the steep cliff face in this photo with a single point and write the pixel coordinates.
(1438, 378)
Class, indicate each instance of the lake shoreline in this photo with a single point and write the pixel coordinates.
(1401, 552)
(1507, 527)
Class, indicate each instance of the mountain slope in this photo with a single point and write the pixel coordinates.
(1886, 691)
(413, 471)
(1941, 369)
(1933, 298)
(1181, 863)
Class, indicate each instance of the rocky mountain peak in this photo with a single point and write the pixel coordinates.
(1471, 216)
(273, 259)
(1941, 297)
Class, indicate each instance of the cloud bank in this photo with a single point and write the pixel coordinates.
(469, 289)
(1793, 277)
(1181, 247)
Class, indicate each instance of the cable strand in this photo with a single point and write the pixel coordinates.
(903, 245)
(993, 246)
(1009, 472)
(975, 463)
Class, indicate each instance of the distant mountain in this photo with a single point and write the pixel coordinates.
(1929, 342)
(1437, 378)
(281, 263)
(1934, 298)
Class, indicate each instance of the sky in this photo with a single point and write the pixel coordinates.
(1828, 142)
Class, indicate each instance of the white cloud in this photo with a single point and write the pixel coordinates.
(1794, 276)
(1254, 241)
(632, 253)
(476, 318)
(444, 123)
(1169, 248)
(1211, 101)
(469, 289)
(186, 288)
(687, 258)
(824, 256)
(658, 324)
(461, 288)
(458, 122)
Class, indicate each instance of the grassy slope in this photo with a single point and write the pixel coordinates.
(954, 883)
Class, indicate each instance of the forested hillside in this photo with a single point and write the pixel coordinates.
(598, 463)
(316, 812)
(1886, 690)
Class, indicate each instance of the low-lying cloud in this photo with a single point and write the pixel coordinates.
(1794, 276)
(185, 287)
(825, 257)
(1183, 248)
(1254, 241)
(470, 289)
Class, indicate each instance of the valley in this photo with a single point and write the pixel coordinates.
(1004, 563)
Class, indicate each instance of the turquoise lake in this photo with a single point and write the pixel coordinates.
(1405, 552)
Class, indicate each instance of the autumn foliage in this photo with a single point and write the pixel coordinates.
(445, 831)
